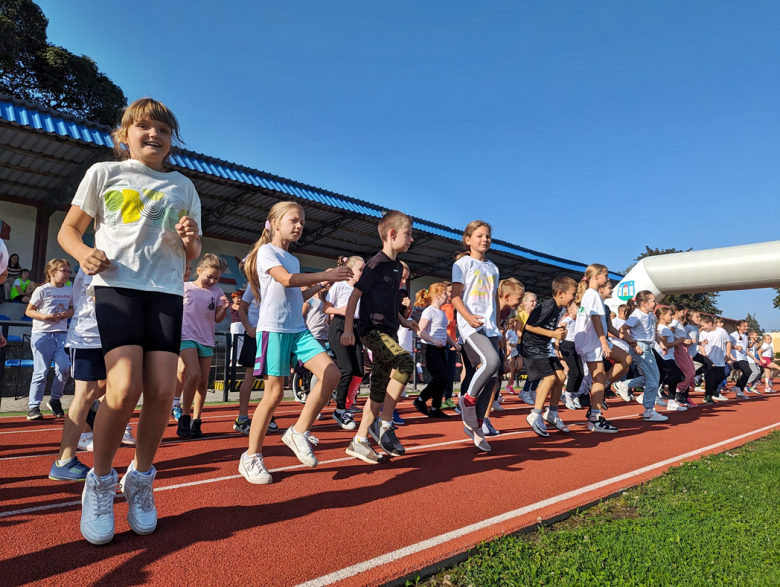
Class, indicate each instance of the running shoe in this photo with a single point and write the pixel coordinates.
(362, 450)
(127, 438)
(720, 398)
(689, 402)
(555, 419)
(387, 440)
(457, 406)
(183, 427)
(97, 508)
(34, 414)
(137, 488)
(756, 391)
(253, 469)
(403, 395)
(479, 439)
(195, 431)
(272, 425)
(537, 424)
(437, 413)
(500, 399)
(488, 429)
(659, 401)
(621, 387)
(345, 420)
(419, 403)
(448, 403)
(300, 444)
(497, 407)
(740, 394)
(653, 416)
(397, 419)
(468, 413)
(640, 398)
(242, 426)
(55, 406)
(674, 406)
(569, 401)
(73, 470)
(601, 425)
(708, 399)
(578, 402)
(85, 441)
(176, 413)
(509, 389)
(525, 397)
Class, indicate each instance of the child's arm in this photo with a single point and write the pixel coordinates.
(347, 337)
(453, 343)
(70, 237)
(334, 311)
(457, 302)
(242, 315)
(599, 328)
(410, 324)
(287, 279)
(558, 334)
(729, 348)
(187, 229)
(312, 291)
(221, 312)
(32, 312)
(424, 323)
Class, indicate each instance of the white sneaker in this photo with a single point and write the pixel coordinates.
(526, 397)
(640, 398)
(555, 420)
(479, 439)
(720, 398)
(497, 407)
(403, 395)
(85, 441)
(569, 400)
(653, 416)
(500, 399)
(659, 401)
(97, 508)
(577, 403)
(537, 424)
(300, 444)
(674, 406)
(253, 469)
(137, 488)
(128, 437)
(621, 388)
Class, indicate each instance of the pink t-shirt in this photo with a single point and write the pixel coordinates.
(200, 306)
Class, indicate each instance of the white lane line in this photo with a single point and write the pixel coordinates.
(395, 555)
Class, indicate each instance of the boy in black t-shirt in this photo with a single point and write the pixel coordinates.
(541, 361)
(378, 289)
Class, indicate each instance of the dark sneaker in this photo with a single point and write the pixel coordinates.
(242, 426)
(364, 452)
(73, 470)
(707, 400)
(183, 427)
(387, 439)
(195, 431)
(601, 425)
(35, 414)
(55, 406)
(421, 407)
(345, 420)
(437, 413)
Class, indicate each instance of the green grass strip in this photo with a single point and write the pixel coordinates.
(715, 521)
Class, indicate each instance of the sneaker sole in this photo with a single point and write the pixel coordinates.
(471, 435)
(67, 479)
(348, 426)
(138, 530)
(35, 417)
(363, 458)
(254, 480)
(565, 428)
(593, 428)
(241, 430)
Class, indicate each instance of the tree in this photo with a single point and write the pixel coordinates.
(753, 324)
(702, 302)
(776, 301)
(35, 70)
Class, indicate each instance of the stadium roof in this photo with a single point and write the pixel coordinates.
(45, 153)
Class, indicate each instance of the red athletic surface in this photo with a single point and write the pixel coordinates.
(311, 522)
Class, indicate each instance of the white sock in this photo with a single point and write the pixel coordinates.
(176, 401)
(386, 424)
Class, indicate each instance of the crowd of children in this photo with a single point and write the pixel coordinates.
(137, 328)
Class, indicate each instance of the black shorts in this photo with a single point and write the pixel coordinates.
(132, 317)
(87, 364)
(541, 368)
(248, 352)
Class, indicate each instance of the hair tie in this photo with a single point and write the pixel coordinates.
(267, 225)
(345, 259)
(585, 279)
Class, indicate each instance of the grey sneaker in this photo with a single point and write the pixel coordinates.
(300, 444)
(478, 437)
(468, 414)
(555, 419)
(364, 452)
(386, 438)
(137, 488)
(97, 508)
(34, 414)
(537, 424)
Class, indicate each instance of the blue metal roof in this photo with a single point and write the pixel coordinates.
(66, 125)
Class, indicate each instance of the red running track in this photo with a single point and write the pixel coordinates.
(345, 522)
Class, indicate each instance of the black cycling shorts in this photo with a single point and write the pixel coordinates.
(132, 317)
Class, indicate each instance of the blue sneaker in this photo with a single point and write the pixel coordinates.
(73, 470)
(176, 413)
(397, 419)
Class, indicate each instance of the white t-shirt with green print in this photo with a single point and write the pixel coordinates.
(136, 210)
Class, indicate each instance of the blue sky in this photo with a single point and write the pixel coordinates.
(585, 130)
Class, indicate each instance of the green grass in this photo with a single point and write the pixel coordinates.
(715, 521)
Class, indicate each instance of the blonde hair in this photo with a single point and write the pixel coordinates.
(276, 212)
(507, 287)
(405, 266)
(144, 109)
(350, 261)
(592, 271)
(211, 261)
(528, 295)
(471, 228)
(393, 220)
(52, 266)
(424, 297)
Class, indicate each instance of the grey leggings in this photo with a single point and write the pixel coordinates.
(483, 351)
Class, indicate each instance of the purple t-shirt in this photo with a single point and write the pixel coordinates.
(200, 307)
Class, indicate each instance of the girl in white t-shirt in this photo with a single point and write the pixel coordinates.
(348, 358)
(474, 296)
(590, 340)
(754, 362)
(433, 332)
(766, 356)
(682, 356)
(50, 307)
(274, 275)
(671, 347)
(146, 229)
(572, 360)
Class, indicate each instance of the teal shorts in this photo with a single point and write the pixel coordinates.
(278, 352)
(203, 350)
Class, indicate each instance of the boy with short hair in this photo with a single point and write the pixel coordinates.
(379, 291)
(717, 345)
(539, 356)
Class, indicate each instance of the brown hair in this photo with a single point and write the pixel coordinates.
(688, 314)
(52, 266)
(706, 320)
(509, 286)
(634, 302)
(424, 297)
(563, 284)
(621, 308)
(276, 212)
(212, 261)
(471, 228)
(676, 307)
(592, 271)
(393, 220)
(144, 109)
(662, 311)
(740, 323)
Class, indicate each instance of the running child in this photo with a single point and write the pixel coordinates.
(767, 360)
(176, 411)
(718, 349)
(674, 375)
(474, 296)
(512, 344)
(539, 356)
(348, 358)
(739, 351)
(50, 307)
(380, 297)
(146, 229)
(682, 355)
(571, 357)
(528, 393)
(754, 361)
(274, 275)
(205, 304)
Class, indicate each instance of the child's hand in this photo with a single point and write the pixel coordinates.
(94, 262)
(559, 333)
(335, 274)
(347, 338)
(413, 326)
(605, 349)
(225, 302)
(187, 229)
(3, 341)
(475, 321)
(251, 332)
(638, 350)
(456, 346)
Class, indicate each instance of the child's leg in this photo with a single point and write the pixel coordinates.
(245, 392)
(544, 390)
(61, 366)
(622, 362)
(86, 394)
(202, 387)
(599, 382)
(345, 361)
(327, 374)
(380, 380)
(158, 384)
(181, 374)
(192, 378)
(43, 347)
(393, 368)
(273, 393)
